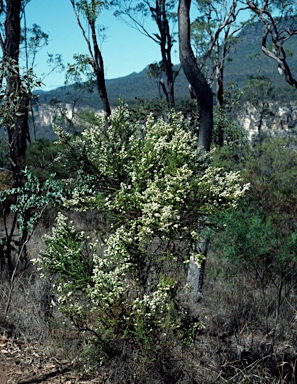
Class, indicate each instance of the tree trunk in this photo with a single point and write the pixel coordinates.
(16, 121)
(15, 110)
(220, 101)
(18, 132)
(204, 99)
(12, 29)
(165, 45)
(195, 272)
(195, 77)
(96, 59)
(99, 70)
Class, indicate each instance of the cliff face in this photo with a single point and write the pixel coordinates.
(44, 116)
(269, 120)
(272, 119)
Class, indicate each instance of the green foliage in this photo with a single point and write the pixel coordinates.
(201, 29)
(90, 9)
(33, 198)
(252, 237)
(258, 90)
(41, 159)
(81, 70)
(15, 103)
(22, 208)
(233, 134)
(157, 191)
(33, 39)
(261, 235)
(67, 258)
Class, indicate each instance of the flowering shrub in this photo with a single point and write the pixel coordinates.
(157, 190)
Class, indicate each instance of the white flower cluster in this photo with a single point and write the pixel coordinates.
(60, 231)
(157, 189)
(109, 273)
(221, 190)
(79, 200)
(64, 136)
(196, 258)
(152, 307)
(111, 148)
(159, 181)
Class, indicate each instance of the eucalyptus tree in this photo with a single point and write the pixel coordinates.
(204, 97)
(163, 13)
(213, 34)
(14, 95)
(280, 24)
(196, 79)
(16, 86)
(90, 11)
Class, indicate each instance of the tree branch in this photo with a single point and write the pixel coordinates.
(82, 29)
(278, 36)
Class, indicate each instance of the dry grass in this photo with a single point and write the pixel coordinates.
(246, 340)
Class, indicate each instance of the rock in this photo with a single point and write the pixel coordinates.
(269, 119)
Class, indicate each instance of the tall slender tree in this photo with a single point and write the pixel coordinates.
(90, 10)
(213, 34)
(196, 79)
(15, 98)
(204, 97)
(162, 12)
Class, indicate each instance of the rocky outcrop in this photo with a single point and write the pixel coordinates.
(270, 119)
(44, 115)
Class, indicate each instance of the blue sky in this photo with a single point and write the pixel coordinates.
(125, 50)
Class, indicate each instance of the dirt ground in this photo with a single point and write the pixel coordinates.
(3, 374)
(27, 363)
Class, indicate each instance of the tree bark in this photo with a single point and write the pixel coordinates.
(196, 273)
(204, 97)
(165, 45)
(98, 67)
(195, 77)
(16, 121)
(15, 110)
(220, 91)
(96, 59)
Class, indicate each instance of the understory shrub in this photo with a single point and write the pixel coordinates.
(260, 239)
(125, 282)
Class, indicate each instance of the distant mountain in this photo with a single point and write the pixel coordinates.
(249, 60)
(246, 60)
(129, 88)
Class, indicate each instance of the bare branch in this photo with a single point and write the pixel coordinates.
(82, 29)
(279, 34)
(2, 43)
(137, 25)
(96, 59)
(135, 15)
